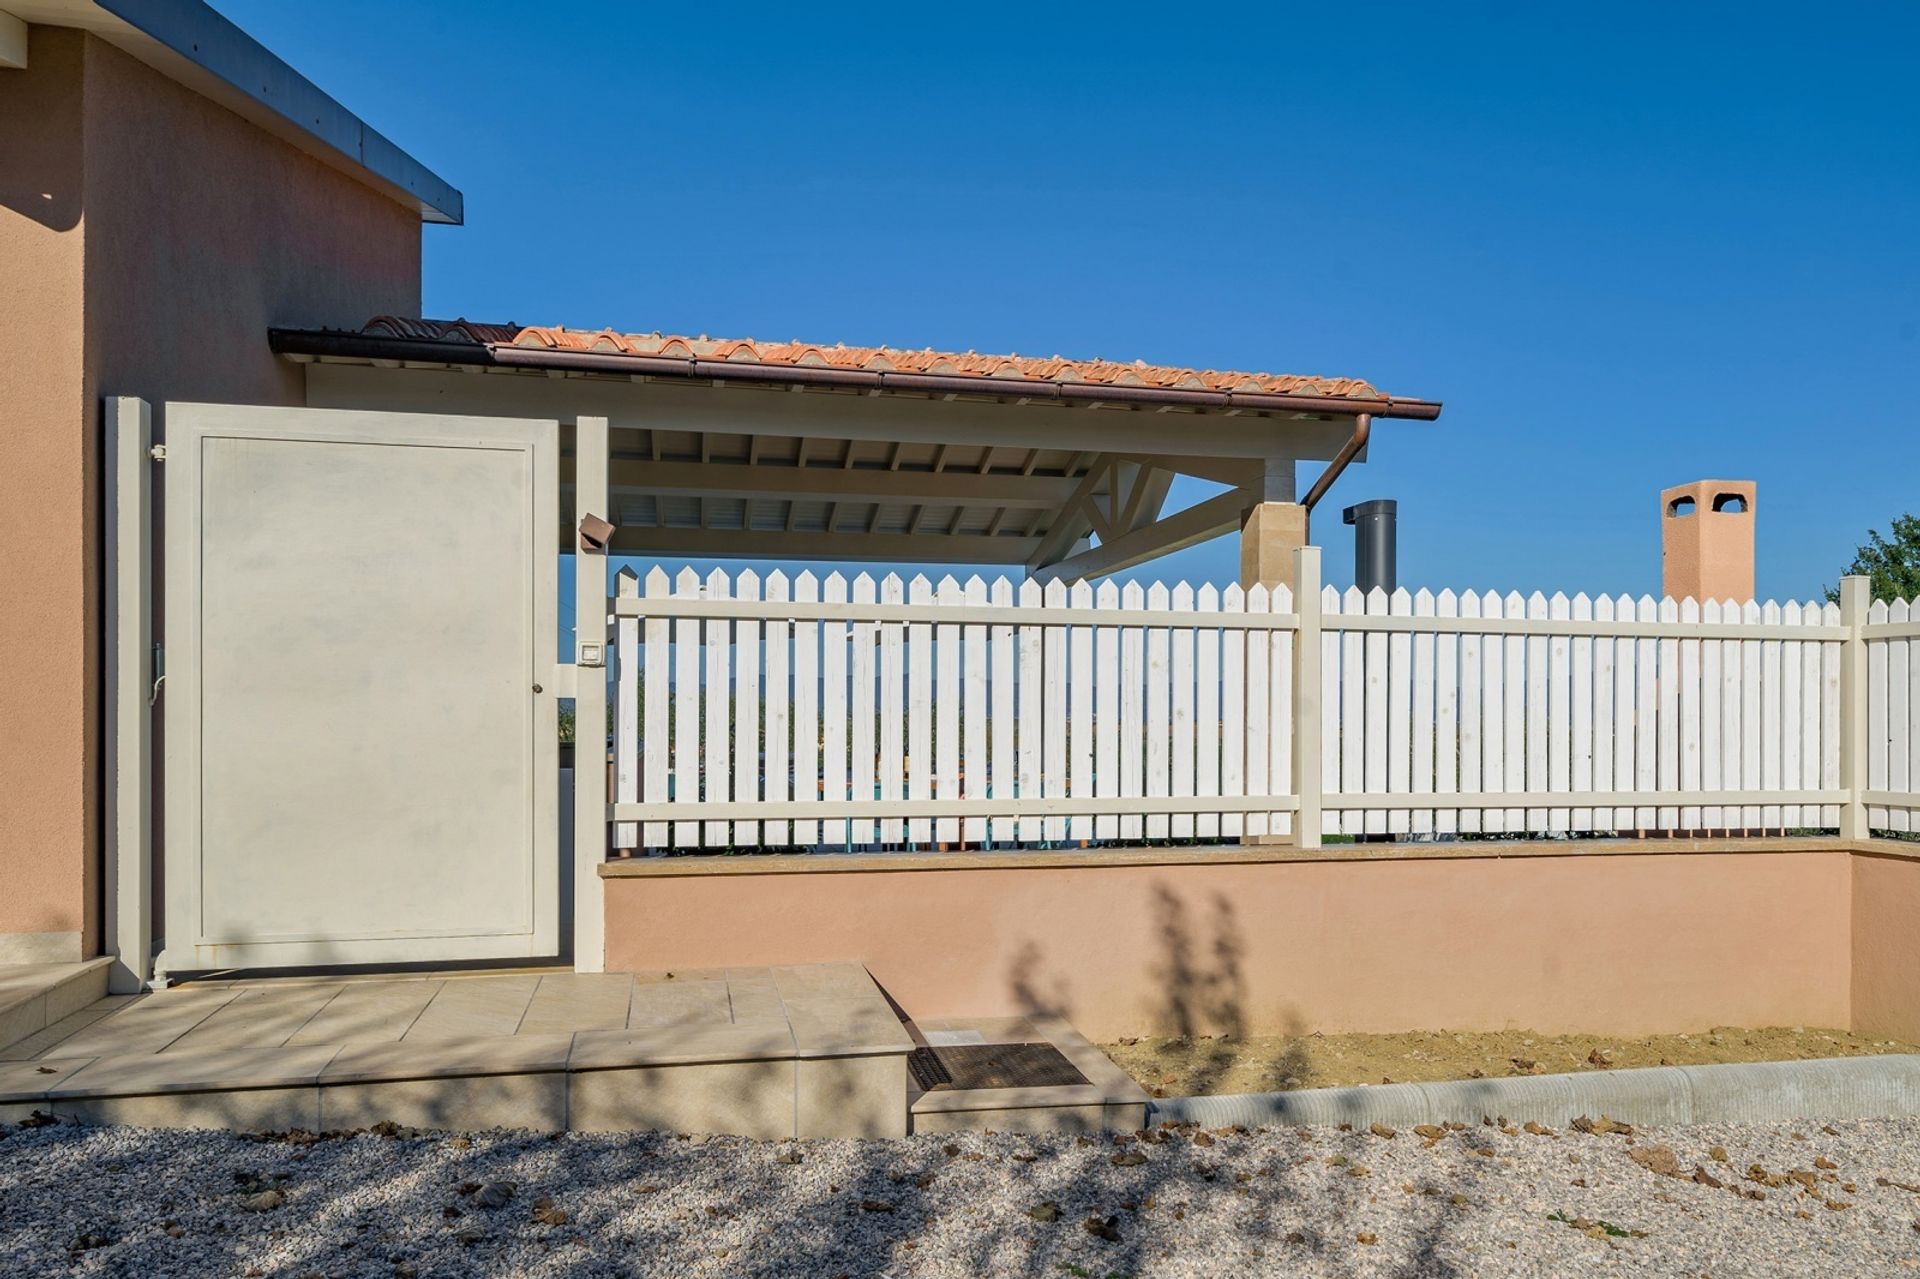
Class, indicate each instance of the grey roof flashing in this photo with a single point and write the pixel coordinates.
(188, 41)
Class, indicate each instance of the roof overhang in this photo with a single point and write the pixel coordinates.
(189, 42)
(767, 460)
(384, 348)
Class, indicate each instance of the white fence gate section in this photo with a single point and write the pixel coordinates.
(804, 713)
(361, 739)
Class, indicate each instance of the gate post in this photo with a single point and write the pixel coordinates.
(589, 701)
(128, 693)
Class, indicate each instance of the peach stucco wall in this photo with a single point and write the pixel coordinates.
(148, 238)
(1886, 945)
(1611, 944)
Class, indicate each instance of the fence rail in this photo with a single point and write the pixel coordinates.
(828, 713)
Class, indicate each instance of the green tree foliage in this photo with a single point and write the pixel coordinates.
(1892, 563)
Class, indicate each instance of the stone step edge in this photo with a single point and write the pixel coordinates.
(1873, 1087)
(56, 998)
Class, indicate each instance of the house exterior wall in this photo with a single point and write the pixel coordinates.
(1610, 943)
(148, 238)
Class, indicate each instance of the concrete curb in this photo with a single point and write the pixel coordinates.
(1758, 1092)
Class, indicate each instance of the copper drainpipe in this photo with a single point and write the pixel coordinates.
(1362, 427)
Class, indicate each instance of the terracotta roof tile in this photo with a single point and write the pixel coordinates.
(873, 358)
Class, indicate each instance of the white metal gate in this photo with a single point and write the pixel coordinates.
(360, 711)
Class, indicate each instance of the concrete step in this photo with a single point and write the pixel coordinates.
(35, 996)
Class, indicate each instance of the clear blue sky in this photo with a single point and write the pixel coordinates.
(1627, 249)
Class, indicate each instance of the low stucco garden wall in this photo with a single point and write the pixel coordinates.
(1623, 938)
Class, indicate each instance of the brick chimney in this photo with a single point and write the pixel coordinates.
(1706, 540)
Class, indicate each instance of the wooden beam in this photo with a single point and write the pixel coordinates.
(1182, 529)
(1239, 472)
(1072, 523)
(734, 480)
(904, 548)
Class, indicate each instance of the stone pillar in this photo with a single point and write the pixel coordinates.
(1269, 536)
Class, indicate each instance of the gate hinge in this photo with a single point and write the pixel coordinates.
(159, 673)
(158, 452)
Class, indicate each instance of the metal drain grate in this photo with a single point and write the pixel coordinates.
(963, 1067)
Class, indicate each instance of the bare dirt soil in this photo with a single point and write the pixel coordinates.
(1202, 1066)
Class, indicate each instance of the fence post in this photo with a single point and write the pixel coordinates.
(1855, 595)
(129, 693)
(1306, 697)
(589, 702)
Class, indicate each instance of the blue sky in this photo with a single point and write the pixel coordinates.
(1628, 247)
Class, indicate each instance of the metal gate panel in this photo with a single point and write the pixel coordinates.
(361, 736)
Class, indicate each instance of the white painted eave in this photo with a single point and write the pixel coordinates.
(13, 42)
(189, 42)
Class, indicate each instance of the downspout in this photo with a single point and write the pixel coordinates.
(1362, 428)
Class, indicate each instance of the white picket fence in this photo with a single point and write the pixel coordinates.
(880, 713)
(1893, 715)
(831, 714)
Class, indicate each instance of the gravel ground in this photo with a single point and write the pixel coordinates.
(1483, 1200)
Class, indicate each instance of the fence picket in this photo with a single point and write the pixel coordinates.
(1132, 708)
(1159, 707)
(1400, 709)
(1030, 679)
(1280, 718)
(1513, 713)
(1559, 714)
(686, 712)
(1053, 762)
(1259, 706)
(974, 714)
(1792, 718)
(1689, 709)
(1810, 716)
(919, 710)
(1003, 770)
(862, 781)
(1830, 717)
(834, 646)
(1206, 670)
(779, 709)
(1420, 779)
(1712, 816)
(1470, 820)
(1106, 712)
(1536, 712)
(1180, 670)
(1646, 714)
(718, 761)
(1581, 682)
(1080, 712)
(628, 743)
(656, 745)
(1332, 644)
(1731, 706)
(1446, 714)
(1493, 715)
(893, 708)
(1604, 741)
(1750, 716)
(1771, 693)
(806, 710)
(1898, 685)
(946, 712)
(1626, 762)
(1667, 690)
(745, 761)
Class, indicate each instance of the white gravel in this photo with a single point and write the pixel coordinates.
(1478, 1201)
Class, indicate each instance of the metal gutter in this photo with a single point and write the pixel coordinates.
(362, 346)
